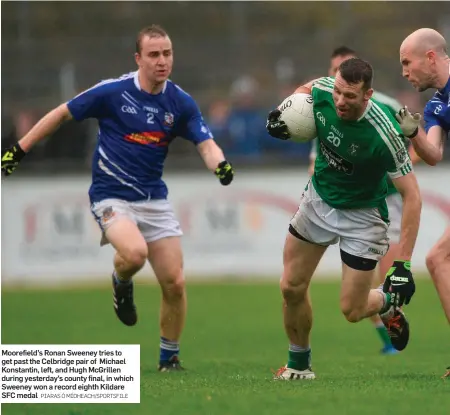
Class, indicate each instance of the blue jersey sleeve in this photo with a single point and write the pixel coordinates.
(194, 127)
(431, 112)
(91, 103)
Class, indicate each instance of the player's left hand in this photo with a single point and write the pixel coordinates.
(224, 172)
(409, 123)
(275, 127)
(400, 283)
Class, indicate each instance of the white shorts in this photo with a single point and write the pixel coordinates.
(155, 218)
(395, 207)
(360, 232)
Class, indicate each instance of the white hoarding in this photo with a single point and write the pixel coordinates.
(49, 235)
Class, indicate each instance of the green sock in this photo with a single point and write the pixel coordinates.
(299, 360)
(384, 336)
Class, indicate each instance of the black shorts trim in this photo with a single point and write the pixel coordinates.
(358, 263)
(293, 232)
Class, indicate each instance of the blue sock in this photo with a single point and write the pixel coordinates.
(168, 349)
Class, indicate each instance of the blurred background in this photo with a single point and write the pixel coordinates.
(237, 59)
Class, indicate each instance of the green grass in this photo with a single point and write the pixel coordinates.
(233, 337)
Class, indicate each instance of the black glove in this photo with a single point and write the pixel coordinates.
(275, 127)
(224, 172)
(400, 283)
(11, 157)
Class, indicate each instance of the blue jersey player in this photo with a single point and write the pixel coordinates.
(139, 114)
(425, 62)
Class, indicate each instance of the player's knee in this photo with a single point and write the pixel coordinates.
(293, 290)
(352, 315)
(434, 260)
(173, 286)
(135, 257)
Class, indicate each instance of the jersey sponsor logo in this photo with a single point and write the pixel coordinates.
(438, 109)
(169, 119)
(321, 118)
(151, 109)
(335, 161)
(157, 138)
(129, 110)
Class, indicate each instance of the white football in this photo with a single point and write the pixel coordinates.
(297, 113)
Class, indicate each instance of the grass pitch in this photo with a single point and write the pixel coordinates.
(233, 337)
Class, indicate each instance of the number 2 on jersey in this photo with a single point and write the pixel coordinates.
(150, 117)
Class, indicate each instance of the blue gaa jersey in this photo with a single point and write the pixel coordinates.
(135, 130)
(437, 110)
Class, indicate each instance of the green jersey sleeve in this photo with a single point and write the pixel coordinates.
(395, 153)
(326, 83)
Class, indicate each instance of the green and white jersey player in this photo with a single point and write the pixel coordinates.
(393, 199)
(359, 143)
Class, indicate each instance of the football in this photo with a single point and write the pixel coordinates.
(297, 113)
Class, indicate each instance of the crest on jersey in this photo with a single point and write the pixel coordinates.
(352, 148)
(107, 215)
(401, 155)
(169, 119)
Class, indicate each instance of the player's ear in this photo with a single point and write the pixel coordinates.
(137, 58)
(431, 56)
(368, 94)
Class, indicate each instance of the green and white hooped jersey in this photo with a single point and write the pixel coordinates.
(353, 157)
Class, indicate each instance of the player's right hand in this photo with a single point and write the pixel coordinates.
(400, 283)
(275, 127)
(225, 173)
(409, 123)
(11, 157)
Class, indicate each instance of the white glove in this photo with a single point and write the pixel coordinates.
(409, 123)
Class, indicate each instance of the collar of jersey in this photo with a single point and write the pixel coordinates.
(138, 86)
(368, 107)
(446, 89)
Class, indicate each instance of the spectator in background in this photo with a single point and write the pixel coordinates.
(246, 122)
(218, 117)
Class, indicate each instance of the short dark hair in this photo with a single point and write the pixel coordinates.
(342, 51)
(153, 30)
(356, 70)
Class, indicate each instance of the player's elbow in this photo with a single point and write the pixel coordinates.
(438, 158)
(63, 113)
(432, 159)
